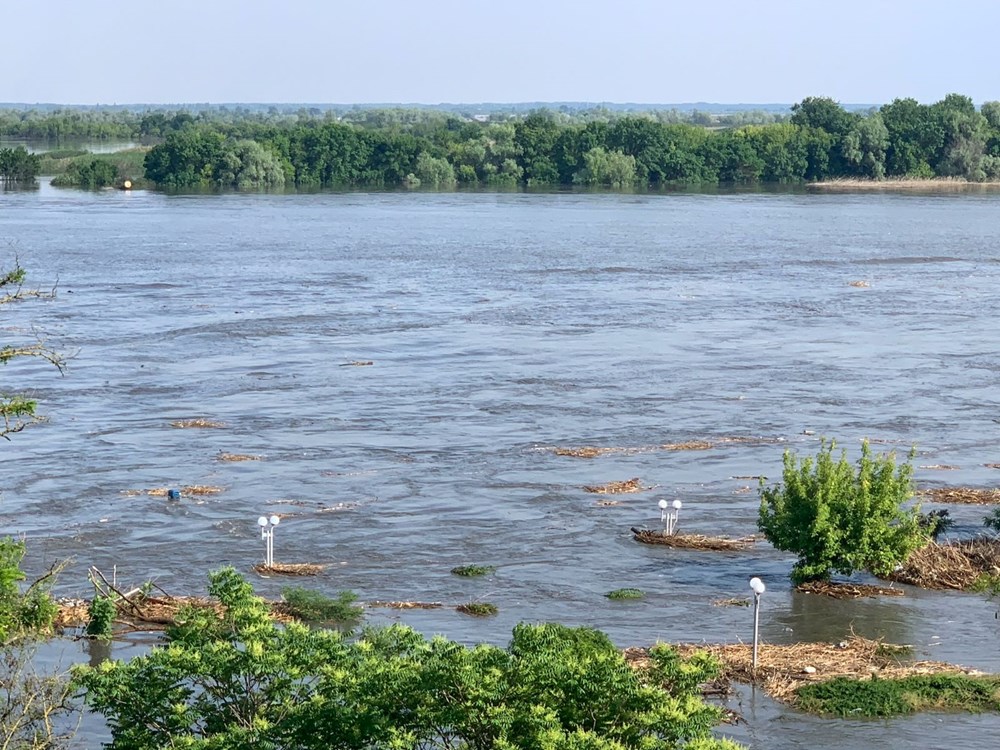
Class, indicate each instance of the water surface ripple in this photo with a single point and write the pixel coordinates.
(501, 327)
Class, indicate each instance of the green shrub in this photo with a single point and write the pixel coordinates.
(992, 520)
(625, 594)
(312, 606)
(240, 681)
(102, 611)
(478, 609)
(838, 518)
(471, 571)
(25, 611)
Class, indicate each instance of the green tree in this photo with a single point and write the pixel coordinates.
(865, 144)
(603, 169)
(239, 680)
(17, 165)
(840, 519)
(434, 172)
(914, 137)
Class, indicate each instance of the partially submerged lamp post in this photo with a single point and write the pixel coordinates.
(669, 518)
(267, 534)
(758, 588)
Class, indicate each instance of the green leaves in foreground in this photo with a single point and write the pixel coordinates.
(893, 697)
(239, 680)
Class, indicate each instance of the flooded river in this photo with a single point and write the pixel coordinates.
(500, 328)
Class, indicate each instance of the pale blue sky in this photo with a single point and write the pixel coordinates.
(431, 51)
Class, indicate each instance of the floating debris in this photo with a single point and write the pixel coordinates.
(235, 457)
(731, 602)
(197, 423)
(859, 284)
(693, 541)
(406, 605)
(607, 503)
(358, 363)
(690, 445)
(617, 488)
(961, 495)
(955, 565)
(992, 466)
(846, 590)
(586, 451)
(939, 467)
(289, 569)
(190, 489)
(781, 670)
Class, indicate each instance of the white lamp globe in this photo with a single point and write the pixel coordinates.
(677, 504)
(757, 586)
(662, 504)
(262, 521)
(274, 520)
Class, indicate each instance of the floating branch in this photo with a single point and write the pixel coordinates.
(846, 590)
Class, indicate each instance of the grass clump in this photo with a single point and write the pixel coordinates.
(622, 594)
(478, 609)
(472, 571)
(906, 695)
(312, 606)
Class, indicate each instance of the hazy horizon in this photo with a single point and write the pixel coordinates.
(525, 51)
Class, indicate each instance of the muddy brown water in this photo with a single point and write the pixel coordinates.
(500, 327)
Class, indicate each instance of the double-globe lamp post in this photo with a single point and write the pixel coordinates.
(668, 518)
(758, 588)
(267, 534)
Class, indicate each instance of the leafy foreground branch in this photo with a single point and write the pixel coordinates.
(240, 680)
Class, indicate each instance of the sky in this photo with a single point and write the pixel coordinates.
(470, 51)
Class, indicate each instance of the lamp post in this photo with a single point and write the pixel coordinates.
(267, 534)
(758, 588)
(669, 518)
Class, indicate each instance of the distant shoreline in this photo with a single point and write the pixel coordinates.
(904, 184)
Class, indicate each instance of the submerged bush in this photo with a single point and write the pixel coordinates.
(471, 571)
(312, 606)
(625, 594)
(877, 697)
(840, 518)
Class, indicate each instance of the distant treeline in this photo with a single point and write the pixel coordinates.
(388, 148)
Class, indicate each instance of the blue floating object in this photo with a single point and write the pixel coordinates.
(174, 494)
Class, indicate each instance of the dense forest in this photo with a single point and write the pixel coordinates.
(819, 140)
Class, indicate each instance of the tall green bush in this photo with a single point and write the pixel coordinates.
(838, 517)
(21, 612)
(241, 681)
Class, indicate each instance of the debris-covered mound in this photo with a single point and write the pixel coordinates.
(955, 565)
(693, 541)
